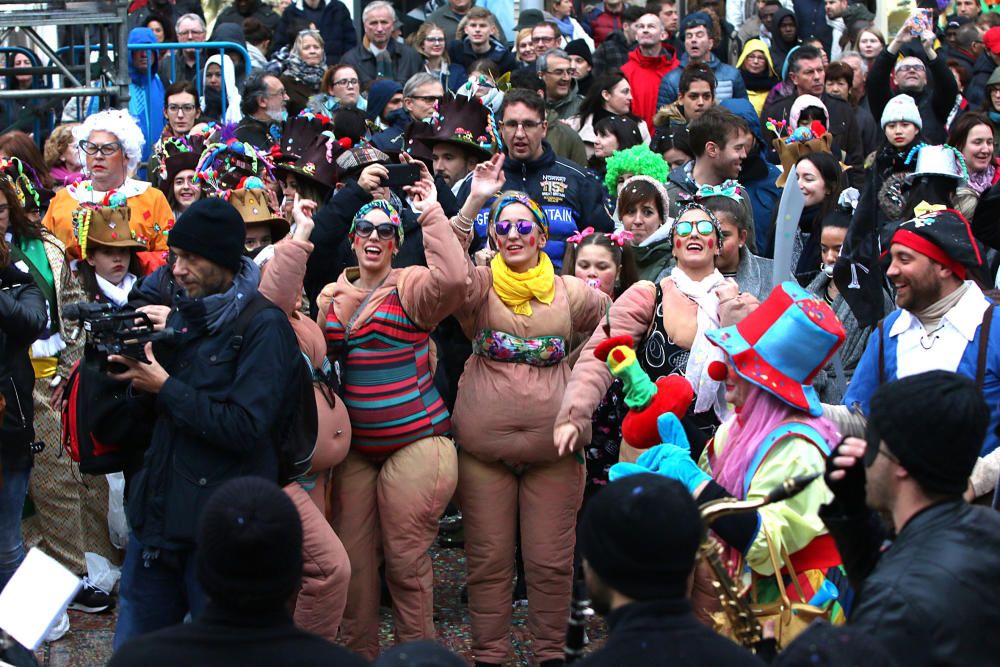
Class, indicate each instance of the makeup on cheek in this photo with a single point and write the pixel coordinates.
(677, 244)
(711, 244)
(392, 245)
(531, 242)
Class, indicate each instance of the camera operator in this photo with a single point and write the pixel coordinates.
(23, 316)
(215, 396)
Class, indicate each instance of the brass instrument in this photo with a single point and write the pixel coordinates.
(741, 619)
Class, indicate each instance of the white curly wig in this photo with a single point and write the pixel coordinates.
(119, 123)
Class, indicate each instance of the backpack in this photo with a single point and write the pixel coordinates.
(296, 443)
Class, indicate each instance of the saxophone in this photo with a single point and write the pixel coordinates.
(742, 621)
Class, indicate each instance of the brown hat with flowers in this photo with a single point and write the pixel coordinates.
(106, 226)
(466, 123)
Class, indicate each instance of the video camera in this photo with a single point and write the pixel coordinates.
(114, 330)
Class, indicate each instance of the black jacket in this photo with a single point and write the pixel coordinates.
(405, 63)
(216, 417)
(258, 133)
(846, 136)
(262, 12)
(664, 633)
(222, 637)
(975, 92)
(935, 102)
(333, 22)
(461, 52)
(931, 597)
(23, 315)
(572, 199)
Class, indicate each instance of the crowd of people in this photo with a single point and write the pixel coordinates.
(581, 281)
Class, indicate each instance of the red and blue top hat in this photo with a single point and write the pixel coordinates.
(781, 346)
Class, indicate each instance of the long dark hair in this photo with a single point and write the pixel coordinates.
(623, 128)
(833, 177)
(592, 107)
(20, 224)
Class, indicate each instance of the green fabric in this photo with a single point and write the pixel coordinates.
(652, 259)
(639, 389)
(32, 253)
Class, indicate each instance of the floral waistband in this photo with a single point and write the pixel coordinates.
(500, 346)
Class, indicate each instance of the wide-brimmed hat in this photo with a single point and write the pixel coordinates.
(941, 160)
(783, 344)
(529, 18)
(465, 123)
(106, 226)
(227, 163)
(253, 207)
(318, 161)
(299, 132)
(177, 154)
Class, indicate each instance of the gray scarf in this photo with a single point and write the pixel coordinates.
(213, 312)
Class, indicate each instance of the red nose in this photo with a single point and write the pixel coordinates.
(717, 370)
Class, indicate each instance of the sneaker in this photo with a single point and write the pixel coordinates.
(59, 629)
(91, 599)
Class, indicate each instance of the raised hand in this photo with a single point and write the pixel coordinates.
(488, 177)
(302, 215)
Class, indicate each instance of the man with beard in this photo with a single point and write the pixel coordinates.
(263, 107)
(910, 76)
(943, 321)
(638, 538)
(721, 141)
(928, 596)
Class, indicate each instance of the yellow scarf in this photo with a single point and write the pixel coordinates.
(517, 290)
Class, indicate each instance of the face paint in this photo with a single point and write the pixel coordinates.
(711, 243)
(677, 244)
(392, 245)
(531, 241)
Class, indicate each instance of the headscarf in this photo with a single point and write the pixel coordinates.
(767, 79)
(517, 290)
(233, 99)
(385, 207)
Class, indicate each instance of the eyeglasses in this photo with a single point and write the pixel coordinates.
(523, 227)
(434, 40)
(346, 82)
(277, 93)
(514, 125)
(191, 33)
(704, 227)
(430, 99)
(107, 150)
(364, 229)
(177, 108)
(913, 67)
(543, 40)
(558, 72)
(756, 55)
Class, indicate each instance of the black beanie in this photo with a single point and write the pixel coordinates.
(578, 47)
(249, 552)
(935, 424)
(211, 228)
(640, 534)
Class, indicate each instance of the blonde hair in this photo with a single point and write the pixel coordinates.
(57, 143)
(308, 32)
(479, 14)
(421, 35)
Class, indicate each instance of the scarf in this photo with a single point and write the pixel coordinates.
(303, 72)
(994, 116)
(754, 421)
(931, 316)
(213, 312)
(982, 181)
(116, 294)
(565, 26)
(29, 255)
(709, 393)
(759, 82)
(516, 290)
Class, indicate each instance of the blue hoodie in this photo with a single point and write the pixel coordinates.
(146, 93)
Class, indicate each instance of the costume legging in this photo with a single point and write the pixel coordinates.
(394, 504)
(546, 497)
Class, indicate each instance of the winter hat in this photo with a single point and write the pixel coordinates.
(249, 545)
(211, 228)
(694, 20)
(902, 108)
(418, 653)
(379, 94)
(915, 415)
(992, 39)
(640, 534)
(801, 103)
(578, 47)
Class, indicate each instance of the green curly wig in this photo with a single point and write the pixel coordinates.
(638, 161)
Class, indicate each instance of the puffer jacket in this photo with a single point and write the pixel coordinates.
(23, 315)
(570, 197)
(729, 82)
(930, 598)
(215, 417)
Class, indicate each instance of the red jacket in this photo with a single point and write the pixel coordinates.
(644, 74)
(604, 24)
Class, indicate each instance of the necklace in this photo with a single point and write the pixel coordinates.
(929, 338)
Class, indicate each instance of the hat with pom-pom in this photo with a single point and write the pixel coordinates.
(902, 109)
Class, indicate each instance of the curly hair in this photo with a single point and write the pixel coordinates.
(119, 123)
(57, 143)
(638, 160)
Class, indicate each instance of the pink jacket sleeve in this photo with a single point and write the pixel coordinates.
(630, 315)
(283, 274)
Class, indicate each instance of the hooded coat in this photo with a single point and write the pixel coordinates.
(644, 74)
(729, 83)
(146, 93)
(758, 85)
(780, 48)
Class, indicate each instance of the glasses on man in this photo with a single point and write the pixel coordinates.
(280, 92)
(364, 229)
(910, 67)
(704, 227)
(190, 34)
(514, 125)
(107, 150)
(346, 82)
(543, 40)
(560, 73)
(181, 108)
(523, 227)
(430, 99)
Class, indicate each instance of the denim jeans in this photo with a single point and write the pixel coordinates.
(12, 495)
(158, 589)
